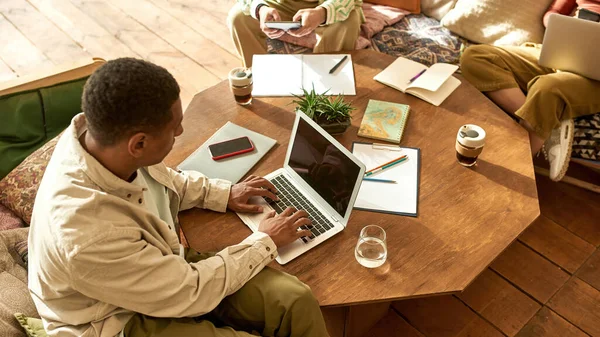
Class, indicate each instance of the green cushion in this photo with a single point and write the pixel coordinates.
(33, 326)
(31, 118)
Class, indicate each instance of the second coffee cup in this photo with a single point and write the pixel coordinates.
(470, 140)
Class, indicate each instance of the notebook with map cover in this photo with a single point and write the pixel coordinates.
(384, 121)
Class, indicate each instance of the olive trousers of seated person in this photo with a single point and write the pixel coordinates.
(272, 303)
(551, 96)
(249, 39)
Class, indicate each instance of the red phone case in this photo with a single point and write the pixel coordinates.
(227, 155)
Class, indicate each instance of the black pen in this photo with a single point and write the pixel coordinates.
(338, 64)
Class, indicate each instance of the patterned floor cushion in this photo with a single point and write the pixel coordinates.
(14, 295)
(586, 140)
(416, 37)
(421, 39)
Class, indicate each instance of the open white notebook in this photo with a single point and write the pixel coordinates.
(433, 86)
(400, 198)
(284, 75)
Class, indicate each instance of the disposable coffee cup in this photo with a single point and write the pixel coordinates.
(470, 140)
(240, 82)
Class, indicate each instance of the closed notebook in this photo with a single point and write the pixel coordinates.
(384, 121)
(232, 168)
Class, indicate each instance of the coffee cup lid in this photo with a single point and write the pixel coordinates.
(240, 77)
(471, 135)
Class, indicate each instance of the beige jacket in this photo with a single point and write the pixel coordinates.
(96, 256)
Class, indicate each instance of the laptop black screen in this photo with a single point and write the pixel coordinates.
(323, 166)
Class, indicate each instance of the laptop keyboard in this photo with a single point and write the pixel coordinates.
(289, 196)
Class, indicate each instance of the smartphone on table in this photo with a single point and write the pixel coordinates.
(283, 25)
(230, 148)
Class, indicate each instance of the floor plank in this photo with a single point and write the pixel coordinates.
(579, 303)
(590, 271)
(82, 29)
(499, 302)
(557, 244)
(440, 316)
(480, 328)
(49, 39)
(570, 207)
(530, 272)
(5, 72)
(191, 77)
(209, 21)
(200, 49)
(546, 323)
(18, 52)
(392, 325)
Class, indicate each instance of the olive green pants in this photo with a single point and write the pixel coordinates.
(551, 96)
(249, 39)
(272, 303)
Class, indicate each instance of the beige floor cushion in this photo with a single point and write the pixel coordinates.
(437, 9)
(506, 22)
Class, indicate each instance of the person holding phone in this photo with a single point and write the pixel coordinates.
(105, 257)
(544, 100)
(336, 23)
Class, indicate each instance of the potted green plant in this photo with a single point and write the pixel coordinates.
(332, 114)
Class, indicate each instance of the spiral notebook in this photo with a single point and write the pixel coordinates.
(384, 121)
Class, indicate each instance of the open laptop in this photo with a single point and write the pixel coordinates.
(572, 45)
(319, 176)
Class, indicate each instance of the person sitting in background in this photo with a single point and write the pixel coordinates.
(336, 23)
(544, 100)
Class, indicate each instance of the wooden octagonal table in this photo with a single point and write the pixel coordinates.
(466, 216)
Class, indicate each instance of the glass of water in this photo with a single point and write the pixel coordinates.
(371, 249)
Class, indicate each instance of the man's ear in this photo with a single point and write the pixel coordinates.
(138, 143)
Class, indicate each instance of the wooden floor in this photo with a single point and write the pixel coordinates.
(188, 37)
(547, 283)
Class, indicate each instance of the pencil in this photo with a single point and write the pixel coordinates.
(385, 167)
(417, 76)
(338, 64)
(380, 180)
(389, 162)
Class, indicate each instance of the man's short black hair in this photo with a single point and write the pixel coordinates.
(125, 96)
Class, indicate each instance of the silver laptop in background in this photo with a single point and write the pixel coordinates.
(319, 176)
(572, 45)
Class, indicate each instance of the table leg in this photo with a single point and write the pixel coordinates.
(354, 321)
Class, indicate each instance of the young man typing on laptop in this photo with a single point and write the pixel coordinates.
(545, 100)
(104, 253)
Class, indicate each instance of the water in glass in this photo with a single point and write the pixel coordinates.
(371, 252)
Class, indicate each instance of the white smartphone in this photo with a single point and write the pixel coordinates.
(283, 25)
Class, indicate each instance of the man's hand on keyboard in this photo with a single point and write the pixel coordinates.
(283, 228)
(252, 186)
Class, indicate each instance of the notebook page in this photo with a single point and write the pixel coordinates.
(434, 77)
(316, 71)
(397, 74)
(436, 97)
(277, 75)
(393, 198)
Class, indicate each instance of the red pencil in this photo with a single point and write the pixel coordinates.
(382, 165)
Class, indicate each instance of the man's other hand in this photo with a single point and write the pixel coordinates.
(252, 186)
(266, 13)
(283, 228)
(311, 18)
